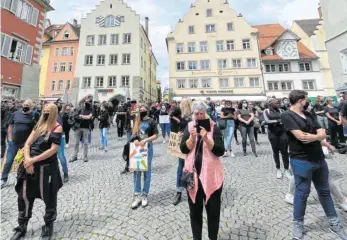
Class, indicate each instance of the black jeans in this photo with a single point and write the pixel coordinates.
(3, 143)
(213, 213)
(247, 130)
(334, 131)
(256, 134)
(67, 135)
(120, 127)
(279, 143)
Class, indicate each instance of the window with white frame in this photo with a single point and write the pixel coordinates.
(62, 67)
(237, 63)
(209, 13)
(113, 59)
(220, 46)
(180, 66)
(269, 51)
(270, 68)
(68, 84)
(66, 34)
(126, 58)
(72, 51)
(193, 83)
(56, 52)
(179, 48)
(205, 64)
(210, 28)
(101, 59)
(191, 47)
(343, 55)
(112, 81)
(88, 60)
(127, 38)
(102, 39)
(87, 82)
(230, 45)
(230, 26)
(254, 82)
(181, 83)
(283, 67)
(272, 86)
(238, 82)
(308, 85)
(224, 82)
(206, 83)
(64, 51)
(115, 39)
(90, 40)
(52, 85)
(191, 29)
(24, 10)
(246, 44)
(251, 63)
(222, 63)
(203, 47)
(60, 85)
(305, 66)
(192, 65)
(99, 82)
(69, 68)
(16, 50)
(125, 81)
(55, 67)
(286, 85)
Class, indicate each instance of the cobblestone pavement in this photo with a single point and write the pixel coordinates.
(95, 203)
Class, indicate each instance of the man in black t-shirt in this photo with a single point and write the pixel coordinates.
(308, 162)
(318, 109)
(175, 117)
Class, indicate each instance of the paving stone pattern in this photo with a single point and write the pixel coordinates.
(95, 203)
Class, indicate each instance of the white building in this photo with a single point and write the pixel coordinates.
(288, 64)
(115, 56)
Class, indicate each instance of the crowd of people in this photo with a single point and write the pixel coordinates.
(300, 131)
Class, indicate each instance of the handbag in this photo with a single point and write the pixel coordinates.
(222, 124)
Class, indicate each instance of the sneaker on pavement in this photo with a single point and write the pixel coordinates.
(66, 177)
(164, 142)
(3, 184)
(338, 231)
(232, 154)
(136, 202)
(279, 174)
(298, 230)
(288, 174)
(177, 198)
(144, 201)
(289, 198)
(67, 145)
(74, 159)
(226, 154)
(105, 149)
(344, 205)
(125, 170)
(101, 148)
(85, 159)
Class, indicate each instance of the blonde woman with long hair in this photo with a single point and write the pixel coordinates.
(38, 175)
(147, 130)
(186, 109)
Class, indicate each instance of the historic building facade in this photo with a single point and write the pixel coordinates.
(115, 58)
(213, 52)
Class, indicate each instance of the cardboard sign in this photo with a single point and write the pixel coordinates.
(138, 158)
(174, 145)
(164, 119)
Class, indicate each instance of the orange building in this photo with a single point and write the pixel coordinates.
(21, 41)
(62, 59)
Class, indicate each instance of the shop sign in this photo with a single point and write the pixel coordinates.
(218, 91)
(105, 91)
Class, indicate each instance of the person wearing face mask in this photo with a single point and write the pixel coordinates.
(246, 117)
(21, 123)
(308, 163)
(65, 114)
(175, 117)
(277, 137)
(84, 120)
(228, 114)
(285, 104)
(165, 127)
(335, 124)
(318, 109)
(147, 130)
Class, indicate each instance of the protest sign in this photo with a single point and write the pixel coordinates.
(174, 145)
(138, 158)
(164, 119)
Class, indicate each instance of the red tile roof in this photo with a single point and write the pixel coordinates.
(268, 35)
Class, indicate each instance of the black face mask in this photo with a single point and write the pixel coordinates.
(45, 116)
(306, 106)
(26, 109)
(87, 105)
(59, 108)
(143, 115)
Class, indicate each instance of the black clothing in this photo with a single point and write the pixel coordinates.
(86, 123)
(218, 148)
(334, 113)
(104, 121)
(3, 143)
(22, 125)
(335, 130)
(66, 126)
(184, 123)
(174, 125)
(226, 111)
(318, 108)
(344, 109)
(149, 127)
(121, 119)
(154, 113)
(274, 115)
(297, 149)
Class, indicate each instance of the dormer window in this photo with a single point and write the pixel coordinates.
(66, 34)
(269, 51)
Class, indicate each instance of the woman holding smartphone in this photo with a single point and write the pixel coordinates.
(228, 114)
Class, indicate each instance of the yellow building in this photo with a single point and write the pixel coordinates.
(213, 52)
(44, 63)
(313, 36)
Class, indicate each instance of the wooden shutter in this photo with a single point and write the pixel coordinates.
(6, 46)
(28, 55)
(13, 6)
(34, 17)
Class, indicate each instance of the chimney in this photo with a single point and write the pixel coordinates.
(146, 25)
(74, 23)
(320, 12)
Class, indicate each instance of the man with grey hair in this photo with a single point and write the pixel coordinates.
(21, 124)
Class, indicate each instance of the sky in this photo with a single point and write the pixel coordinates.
(164, 14)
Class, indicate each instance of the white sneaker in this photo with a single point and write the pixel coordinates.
(232, 154)
(289, 198)
(226, 154)
(288, 174)
(136, 202)
(164, 142)
(144, 202)
(279, 174)
(67, 145)
(344, 205)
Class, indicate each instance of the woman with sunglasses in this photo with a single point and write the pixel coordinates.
(147, 130)
(246, 117)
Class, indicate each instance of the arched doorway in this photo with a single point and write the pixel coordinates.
(115, 100)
